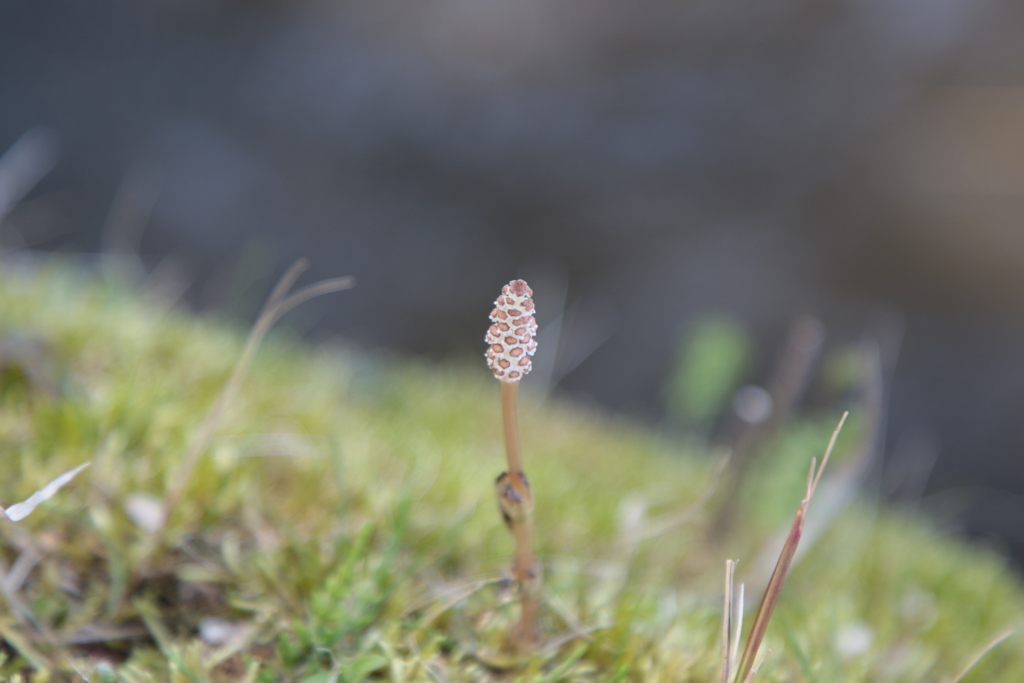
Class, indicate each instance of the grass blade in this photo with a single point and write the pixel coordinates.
(745, 671)
(771, 596)
(21, 644)
(977, 657)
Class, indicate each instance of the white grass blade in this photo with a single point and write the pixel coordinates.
(737, 629)
(20, 511)
(728, 609)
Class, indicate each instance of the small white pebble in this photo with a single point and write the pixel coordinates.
(917, 606)
(752, 404)
(668, 607)
(216, 631)
(145, 510)
(632, 514)
(854, 639)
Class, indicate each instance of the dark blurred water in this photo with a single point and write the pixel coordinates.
(640, 163)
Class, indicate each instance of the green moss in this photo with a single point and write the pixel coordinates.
(342, 523)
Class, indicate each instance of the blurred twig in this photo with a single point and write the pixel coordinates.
(23, 165)
(793, 371)
(846, 479)
(129, 214)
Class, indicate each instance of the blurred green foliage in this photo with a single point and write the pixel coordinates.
(709, 364)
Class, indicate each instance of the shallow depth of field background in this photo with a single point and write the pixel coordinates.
(643, 164)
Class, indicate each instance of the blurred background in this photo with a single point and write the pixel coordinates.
(753, 181)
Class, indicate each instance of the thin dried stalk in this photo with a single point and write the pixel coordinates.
(727, 613)
(792, 373)
(746, 669)
(674, 520)
(24, 164)
(984, 651)
(277, 305)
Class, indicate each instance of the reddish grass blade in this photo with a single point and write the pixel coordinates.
(745, 671)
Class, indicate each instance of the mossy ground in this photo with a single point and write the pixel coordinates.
(342, 526)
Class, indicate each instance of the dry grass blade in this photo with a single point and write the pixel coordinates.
(24, 164)
(133, 205)
(21, 644)
(556, 644)
(841, 486)
(667, 523)
(26, 561)
(565, 613)
(20, 511)
(336, 284)
(977, 657)
(727, 612)
(824, 459)
(746, 669)
(277, 304)
(446, 591)
(455, 599)
(757, 667)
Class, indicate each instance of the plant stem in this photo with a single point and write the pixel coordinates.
(520, 518)
(509, 391)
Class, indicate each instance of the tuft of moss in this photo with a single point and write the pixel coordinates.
(341, 525)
